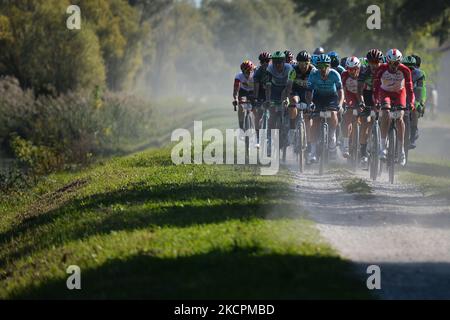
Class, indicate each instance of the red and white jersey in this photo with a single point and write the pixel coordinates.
(243, 82)
(394, 82)
(350, 86)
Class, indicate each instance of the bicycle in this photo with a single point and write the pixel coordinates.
(249, 123)
(392, 143)
(374, 146)
(324, 140)
(300, 143)
(355, 143)
(267, 140)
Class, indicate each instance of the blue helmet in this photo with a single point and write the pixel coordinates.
(314, 58)
(324, 58)
(334, 58)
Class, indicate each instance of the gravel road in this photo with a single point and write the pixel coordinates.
(395, 227)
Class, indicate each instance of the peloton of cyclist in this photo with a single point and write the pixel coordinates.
(393, 87)
(299, 89)
(420, 96)
(327, 94)
(243, 87)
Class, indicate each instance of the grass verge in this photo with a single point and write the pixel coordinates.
(141, 227)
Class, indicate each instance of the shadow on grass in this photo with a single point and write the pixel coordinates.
(171, 205)
(240, 274)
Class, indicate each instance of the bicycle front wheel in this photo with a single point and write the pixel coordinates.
(391, 153)
(324, 148)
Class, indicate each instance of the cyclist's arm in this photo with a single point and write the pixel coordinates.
(421, 90)
(256, 90)
(341, 97)
(361, 84)
(236, 87)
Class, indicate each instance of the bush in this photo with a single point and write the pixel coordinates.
(47, 133)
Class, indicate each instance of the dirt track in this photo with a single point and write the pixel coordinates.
(395, 227)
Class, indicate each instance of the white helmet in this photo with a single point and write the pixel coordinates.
(394, 55)
(352, 62)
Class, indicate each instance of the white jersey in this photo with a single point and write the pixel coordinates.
(245, 83)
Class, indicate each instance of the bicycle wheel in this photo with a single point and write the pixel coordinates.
(301, 144)
(374, 151)
(324, 148)
(392, 141)
(284, 132)
(265, 140)
(407, 140)
(355, 146)
(246, 132)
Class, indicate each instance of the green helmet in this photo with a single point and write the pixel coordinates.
(364, 61)
(409, 61)
(278, 55)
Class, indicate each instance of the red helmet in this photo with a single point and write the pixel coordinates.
(247, 66)
(374, 55)
(264, 56)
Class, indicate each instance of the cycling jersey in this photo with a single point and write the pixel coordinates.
(280, 79)
(366, 76)
(390, 86)
(327, 87)
(300, 85)
(350, 86)
(244, 83)
(325, 91)
(340, 69)
(260, 77)
(419, 84)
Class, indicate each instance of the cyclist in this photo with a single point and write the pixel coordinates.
(279, 82)
(260, 79)
(327, 94)
(393, 87)
(290, 57)
(365, 93)
(352, 100)
(335, 62)
(314, 58)
(299, 89)
(420, 95)
(243, 87)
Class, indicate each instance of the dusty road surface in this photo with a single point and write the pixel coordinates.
(395, 227)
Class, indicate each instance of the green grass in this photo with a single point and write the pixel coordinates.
(356, 185)
(432, 175)
(140, 227)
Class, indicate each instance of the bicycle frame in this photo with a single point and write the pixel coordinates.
(394, 114)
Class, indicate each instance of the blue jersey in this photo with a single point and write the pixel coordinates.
(327, 87)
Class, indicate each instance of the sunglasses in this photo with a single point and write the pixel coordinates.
(394, 63)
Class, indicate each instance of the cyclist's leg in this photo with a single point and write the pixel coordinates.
(346, 130)
(293, 100)
(384, 122)
(366, 122)
(414, 127)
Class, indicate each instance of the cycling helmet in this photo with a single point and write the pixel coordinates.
(264, 56)
(247, 66)
(289, 56)
(278, 55)
(314, 58)
(374, 55)
(343, 61)
(334, 58)
(352, 62)
(319, 50)
(418, 60)
(303, 56)
(324, 58)
(394, 55)
(409, 61)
